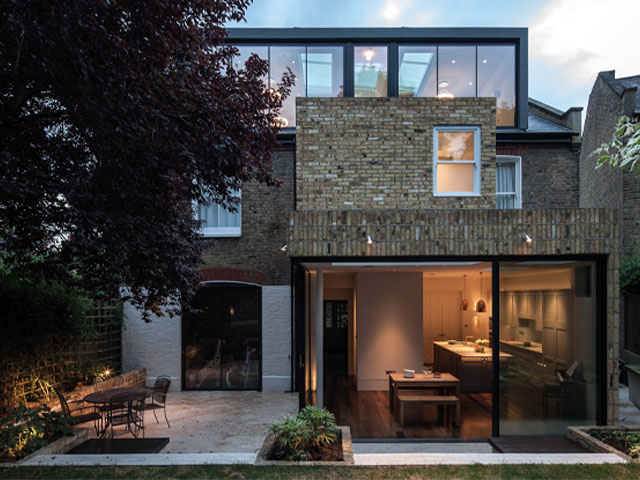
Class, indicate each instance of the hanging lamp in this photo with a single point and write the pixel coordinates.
(464, 305)
(481, 306)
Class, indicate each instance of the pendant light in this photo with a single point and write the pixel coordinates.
(464, 305)
(481, 306)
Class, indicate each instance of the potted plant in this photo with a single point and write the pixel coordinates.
(480, 344)
(311, 437)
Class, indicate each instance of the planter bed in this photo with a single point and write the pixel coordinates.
(346, 452)
(57, 447)
(595, 439)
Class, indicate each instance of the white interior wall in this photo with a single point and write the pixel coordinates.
(389, 328)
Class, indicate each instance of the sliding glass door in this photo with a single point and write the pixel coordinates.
(221, 339)
(548, 327)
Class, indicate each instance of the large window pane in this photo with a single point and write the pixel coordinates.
(370, 71)
(282, 58)
(497, 78)
(417, 71)
(456, 72)
(455, 178)
(548, 326)
(454, 146)
(245, 51)
(324, 75)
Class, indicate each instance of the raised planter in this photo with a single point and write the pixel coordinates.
(581, 437)
(58, 447)
(633, 372)
(347, 453)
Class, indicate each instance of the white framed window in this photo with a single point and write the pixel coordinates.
(456, 161)
(219, 221)
(508, 182)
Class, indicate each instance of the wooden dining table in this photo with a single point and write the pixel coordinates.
(446, 384)
(101, 399)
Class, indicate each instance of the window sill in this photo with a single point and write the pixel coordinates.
(222, 233)
(457, 194)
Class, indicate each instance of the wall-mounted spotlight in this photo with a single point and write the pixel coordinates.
(526, 238)
(283, 248)
(369, 240)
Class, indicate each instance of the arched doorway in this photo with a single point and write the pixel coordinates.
(221, 347)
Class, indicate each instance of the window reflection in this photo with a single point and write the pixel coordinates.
(245, 51)
(282, 58)
(497, 78)
(456, 72)
(417, 71)
(324, 73)
(370, 71)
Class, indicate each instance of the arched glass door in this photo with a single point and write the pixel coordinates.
(221, 347)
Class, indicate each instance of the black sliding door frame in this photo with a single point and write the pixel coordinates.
(602, 380)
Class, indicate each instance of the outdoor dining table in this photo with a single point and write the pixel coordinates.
(102, 399)
(421, 381)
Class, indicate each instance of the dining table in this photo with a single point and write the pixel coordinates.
(445, 383)
(102, 399)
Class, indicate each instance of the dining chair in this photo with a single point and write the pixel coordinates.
(79, 418)
(159, 397)
(127, 408)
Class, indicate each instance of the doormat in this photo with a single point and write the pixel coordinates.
(121, 445)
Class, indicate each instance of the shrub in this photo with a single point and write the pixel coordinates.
(630, 274)
(26, 430)
(298, 436)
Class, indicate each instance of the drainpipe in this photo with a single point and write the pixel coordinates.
(319, 339)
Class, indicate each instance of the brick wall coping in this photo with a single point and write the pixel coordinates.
(232, 275)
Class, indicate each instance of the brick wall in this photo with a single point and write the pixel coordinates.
(471, 232)
(356, 153)
(264, 228)
(550, 177)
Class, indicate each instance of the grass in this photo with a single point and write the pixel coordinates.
(471, 472)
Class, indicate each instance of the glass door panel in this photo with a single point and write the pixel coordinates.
(221, 339)
(548, 329)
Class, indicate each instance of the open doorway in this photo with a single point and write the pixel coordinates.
(380, 319)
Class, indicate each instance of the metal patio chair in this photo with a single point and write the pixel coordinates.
(80, 418)
(127, 408)
(159, 397)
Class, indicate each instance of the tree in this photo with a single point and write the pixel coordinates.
(624, 148)
(116, 116)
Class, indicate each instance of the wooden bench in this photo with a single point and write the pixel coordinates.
(440, 400)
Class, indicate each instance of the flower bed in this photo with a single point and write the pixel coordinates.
(310, 438)
(624, 442)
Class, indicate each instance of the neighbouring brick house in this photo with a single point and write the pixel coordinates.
(610, 99)
(425, 198)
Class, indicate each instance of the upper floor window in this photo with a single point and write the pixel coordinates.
(461, 71)
(370, 71)
(219, 221)
(508, 182)
(318, 70)
(456, 164)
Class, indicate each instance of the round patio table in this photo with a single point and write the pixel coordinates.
(102, 399)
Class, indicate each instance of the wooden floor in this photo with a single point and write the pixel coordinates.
(368, 414)
(535, 445)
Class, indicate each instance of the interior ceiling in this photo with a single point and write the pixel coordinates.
(442, 269)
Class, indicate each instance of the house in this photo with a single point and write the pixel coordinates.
(610, 99)
(427, 203)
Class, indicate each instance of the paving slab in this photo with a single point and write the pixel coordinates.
(421, 447)
(132, 459)
(485, 458)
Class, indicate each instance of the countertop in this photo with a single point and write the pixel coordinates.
(535, 347)
(468, 351)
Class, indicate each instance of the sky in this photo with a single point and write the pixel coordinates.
(570, 41)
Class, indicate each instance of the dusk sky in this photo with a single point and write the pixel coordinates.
(570, 41)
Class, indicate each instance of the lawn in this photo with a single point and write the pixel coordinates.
(472, 472)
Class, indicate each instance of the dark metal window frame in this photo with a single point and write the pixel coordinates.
(393, 38)
(603, 380)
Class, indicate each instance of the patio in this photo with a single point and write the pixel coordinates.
(215, 421)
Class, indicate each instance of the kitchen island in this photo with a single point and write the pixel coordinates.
(474, 369)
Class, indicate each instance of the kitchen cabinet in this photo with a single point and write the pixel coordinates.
(557, 346)
(538, 315)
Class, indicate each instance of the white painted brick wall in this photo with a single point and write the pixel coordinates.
(276, 338)
(155, 346)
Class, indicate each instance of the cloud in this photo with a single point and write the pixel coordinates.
(580, 38)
